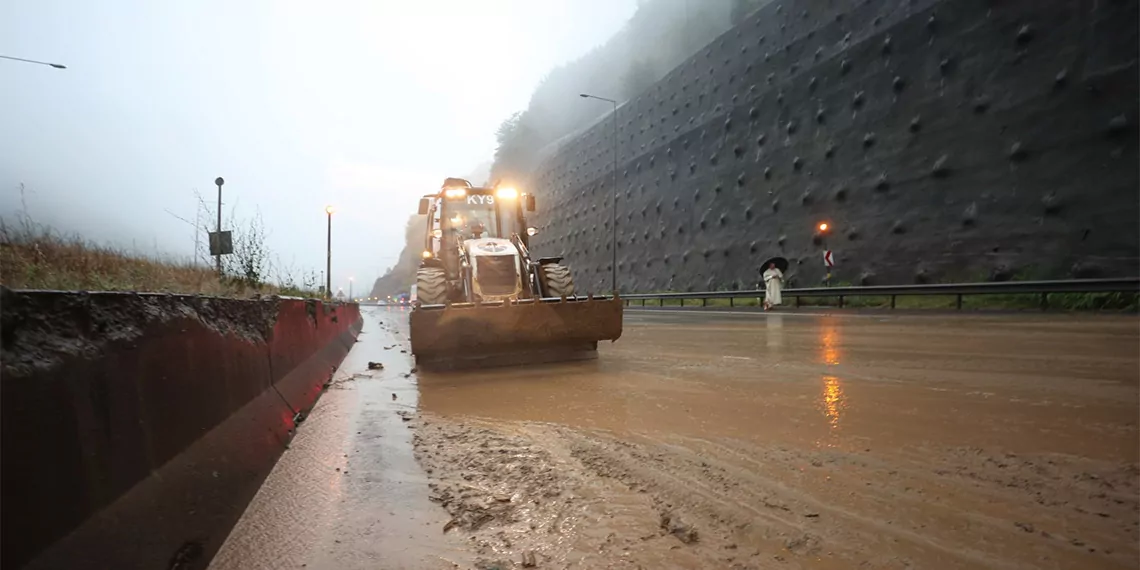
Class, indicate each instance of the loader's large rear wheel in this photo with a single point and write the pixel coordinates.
(557, 281)
(431, 286)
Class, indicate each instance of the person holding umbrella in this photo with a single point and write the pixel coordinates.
(774, 282)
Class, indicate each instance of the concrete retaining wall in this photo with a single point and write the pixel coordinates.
(942, 140)
(136, 427)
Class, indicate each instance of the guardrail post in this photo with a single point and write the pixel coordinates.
(661, 301)
(841, 301)
(797, 302)
(730, 302)
(1044, 301)
(682, 301)
(893, 301)
(704, 302)
(643, 302)
(959, 302)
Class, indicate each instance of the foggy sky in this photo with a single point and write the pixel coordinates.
(364, 104)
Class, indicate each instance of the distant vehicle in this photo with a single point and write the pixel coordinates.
(482, 298)
(403, 299)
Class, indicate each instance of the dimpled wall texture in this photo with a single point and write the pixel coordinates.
(941, 140)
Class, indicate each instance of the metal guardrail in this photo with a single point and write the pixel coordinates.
(1042, 288)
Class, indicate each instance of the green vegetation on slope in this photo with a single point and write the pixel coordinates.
(33, 256)
(399, 279)
(661, 35)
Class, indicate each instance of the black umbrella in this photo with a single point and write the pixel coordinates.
(781, 264)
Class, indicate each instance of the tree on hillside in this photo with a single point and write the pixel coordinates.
(641, 75)
(400, 277)
(739, 11)
(660, 35)
(742, 8)
(518, 146)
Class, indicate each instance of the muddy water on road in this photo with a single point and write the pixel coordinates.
(801, 440)
(1028, 386)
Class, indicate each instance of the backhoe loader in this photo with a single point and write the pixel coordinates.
(483, 300)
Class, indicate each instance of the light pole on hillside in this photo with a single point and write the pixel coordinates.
(55, 65)
(328, 255)
(613, 228)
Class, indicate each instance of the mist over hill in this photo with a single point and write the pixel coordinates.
(660, 35)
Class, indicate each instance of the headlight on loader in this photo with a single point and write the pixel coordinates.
(507, 193)
(454, 193)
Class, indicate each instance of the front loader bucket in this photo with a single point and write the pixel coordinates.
(504, 334)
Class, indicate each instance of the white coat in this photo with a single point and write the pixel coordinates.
(773, 285)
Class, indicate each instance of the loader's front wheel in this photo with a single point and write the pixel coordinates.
(557, 281)
(431, 286)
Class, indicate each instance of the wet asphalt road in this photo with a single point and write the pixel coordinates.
(349, 494)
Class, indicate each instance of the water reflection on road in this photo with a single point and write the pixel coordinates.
(834, 379)
(832, 401)
(774, 327)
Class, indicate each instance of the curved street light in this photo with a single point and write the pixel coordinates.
(613, 222)
(55, 65)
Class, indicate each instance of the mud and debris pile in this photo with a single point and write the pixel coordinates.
(544, 495)
(41, 329)
(498, 489)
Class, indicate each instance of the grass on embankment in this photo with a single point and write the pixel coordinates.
(34, 257)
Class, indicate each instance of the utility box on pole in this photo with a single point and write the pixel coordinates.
(221, 243)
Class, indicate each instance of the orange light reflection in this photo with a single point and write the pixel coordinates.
(832, 401)
(829, 344)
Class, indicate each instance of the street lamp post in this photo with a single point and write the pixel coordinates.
(219, 181)
(328, 255)
(55, 65)
(613, 221)
(350, 280)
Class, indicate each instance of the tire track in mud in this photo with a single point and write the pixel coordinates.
(743, 506)
(970, 520)
(566, 498)
(519, 495)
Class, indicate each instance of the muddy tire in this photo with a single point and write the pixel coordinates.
(431, 286)
(557, 281)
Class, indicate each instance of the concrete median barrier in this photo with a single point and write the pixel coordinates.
(136, 427)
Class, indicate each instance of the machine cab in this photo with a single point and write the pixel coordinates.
(462, 212)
